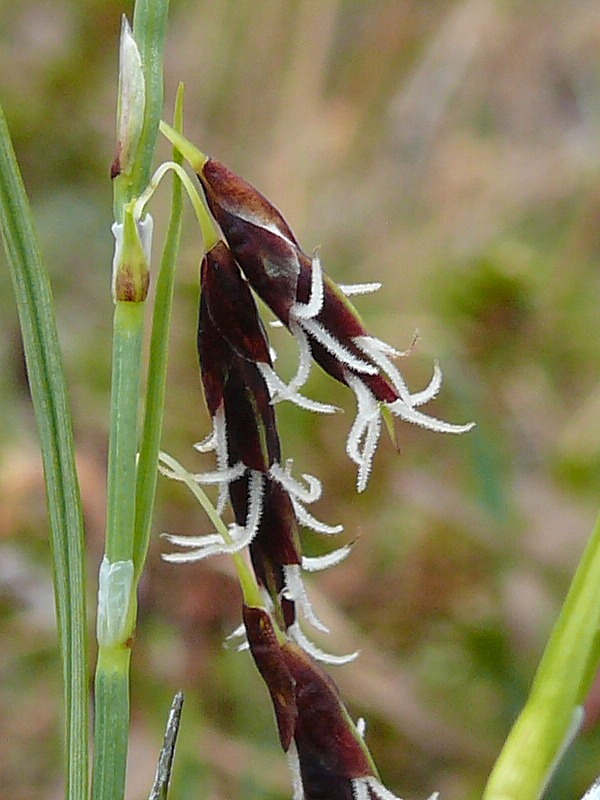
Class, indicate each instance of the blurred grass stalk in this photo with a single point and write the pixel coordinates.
(553, 712)
(131, 485)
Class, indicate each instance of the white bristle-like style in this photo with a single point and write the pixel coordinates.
(332, 559)
(294, 765)
(297, 634)
(352, 289)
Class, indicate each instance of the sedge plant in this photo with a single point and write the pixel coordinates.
(249, 251)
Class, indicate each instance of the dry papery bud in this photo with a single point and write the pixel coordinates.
(318, 313)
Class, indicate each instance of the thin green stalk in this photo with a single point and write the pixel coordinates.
(196, 159)
(157, 368)
(560, 686)
(117, 602)
(111, 728)
(247, 579)
(126, 380)
(117, 583)
(49, 394)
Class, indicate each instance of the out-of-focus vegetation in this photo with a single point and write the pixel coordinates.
(450, 149)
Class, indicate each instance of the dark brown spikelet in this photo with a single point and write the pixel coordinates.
(231, 341)
(309, 710)
(259, 237)
(329, 746)
(251, 430)
(232, 306)
(276, 545)
(215, 357)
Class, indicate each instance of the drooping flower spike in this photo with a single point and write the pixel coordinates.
(326, 751)
(318, 313)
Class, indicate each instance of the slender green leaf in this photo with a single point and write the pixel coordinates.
(149, 30)
(48, 391)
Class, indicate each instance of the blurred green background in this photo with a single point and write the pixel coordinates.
(450, 149)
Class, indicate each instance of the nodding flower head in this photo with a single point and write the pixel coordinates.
(318, 313)
(326, 751)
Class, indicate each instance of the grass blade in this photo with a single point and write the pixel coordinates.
(48, 391)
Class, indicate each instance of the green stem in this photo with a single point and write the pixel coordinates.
(210, 235)
(112, 721)
(117, 590)
(122, 453)
(561, 684)
(112, 669)
(49, 395)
